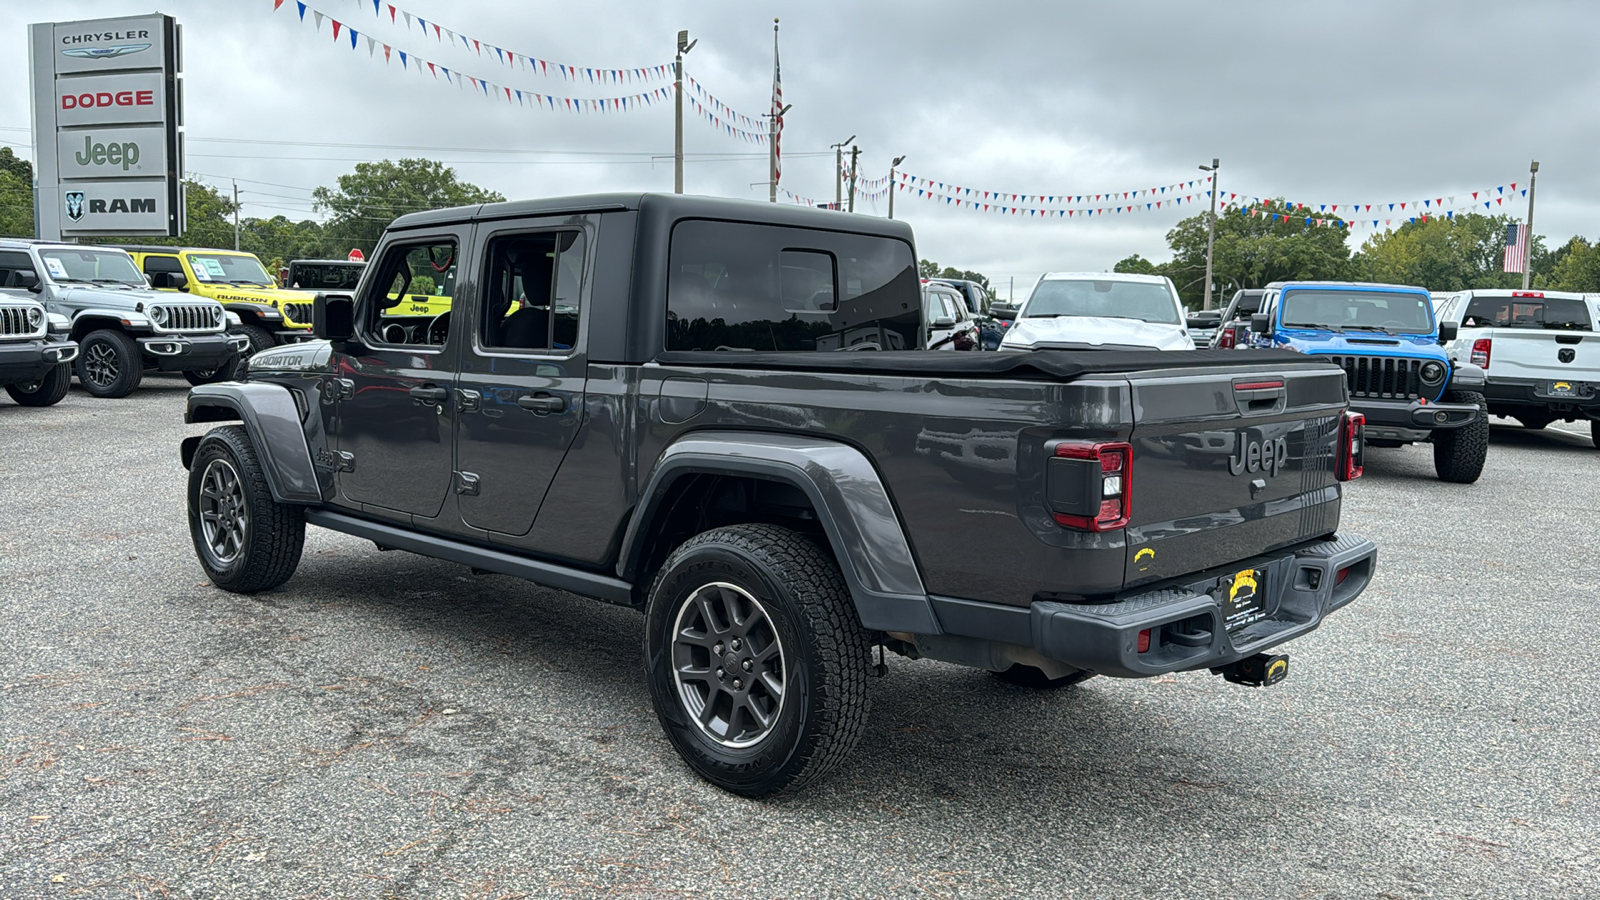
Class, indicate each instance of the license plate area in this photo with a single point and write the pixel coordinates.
(1564, 390)
(1243, 598)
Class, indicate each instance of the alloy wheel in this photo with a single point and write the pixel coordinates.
(100, 364)
(728, 664)
(224, 520)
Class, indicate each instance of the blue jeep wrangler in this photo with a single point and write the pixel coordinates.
(1387, 340)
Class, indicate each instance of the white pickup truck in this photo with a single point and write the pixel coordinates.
(1539, 349)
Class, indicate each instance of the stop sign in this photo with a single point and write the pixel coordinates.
(356, 255)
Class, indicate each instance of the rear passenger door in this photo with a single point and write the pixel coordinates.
(519, 394)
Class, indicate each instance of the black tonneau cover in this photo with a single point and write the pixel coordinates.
(1052, 364)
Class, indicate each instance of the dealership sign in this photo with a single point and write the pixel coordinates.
(107, 111)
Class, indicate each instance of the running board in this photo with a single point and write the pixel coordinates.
(577, 581)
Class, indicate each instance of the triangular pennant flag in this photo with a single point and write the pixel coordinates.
(336, 26)
(318, 17)
(353, 36)
(372, 45)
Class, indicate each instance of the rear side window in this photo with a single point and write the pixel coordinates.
(1555, 313)
(154, 264)
(531, 292)
(735, 286)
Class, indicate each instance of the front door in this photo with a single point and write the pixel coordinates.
(395, 407)
(520, 391)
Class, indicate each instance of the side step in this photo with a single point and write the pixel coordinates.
(577, 581)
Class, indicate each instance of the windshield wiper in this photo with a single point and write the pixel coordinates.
(1313, 326)
(111, 281)
(1368, 328)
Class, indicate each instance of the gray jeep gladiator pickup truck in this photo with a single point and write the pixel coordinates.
(717, 412)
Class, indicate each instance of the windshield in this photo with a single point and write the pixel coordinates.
(95, 266)
(1103, 299)
(1397, 312)
(1555, 313)
(228, 268)
(329, 276)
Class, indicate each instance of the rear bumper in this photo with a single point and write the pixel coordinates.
(1184, 619)
(1413, 414)
(197, 352)
(24, 362)
(1582, 399)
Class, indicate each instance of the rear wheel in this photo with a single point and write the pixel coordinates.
(110, 364)
(1034, 677)
(757, 663)
(47, 391)
(1459, 453)
(246, 541)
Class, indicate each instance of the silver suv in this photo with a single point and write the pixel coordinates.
(35, 354)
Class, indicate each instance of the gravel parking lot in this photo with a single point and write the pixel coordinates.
(390, 726)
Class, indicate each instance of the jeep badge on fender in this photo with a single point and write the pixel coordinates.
(1259, 456)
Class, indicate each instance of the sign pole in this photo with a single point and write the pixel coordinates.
(1527, 260)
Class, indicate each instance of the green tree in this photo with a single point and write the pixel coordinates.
(1275, 243)
(928, 269)
(209, 221)
(1449, 254)
(16, 195)
(965, 275)
(1574, 266)
(367, 200)
(1138, 265)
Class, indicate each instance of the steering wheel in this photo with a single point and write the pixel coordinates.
(439, 328)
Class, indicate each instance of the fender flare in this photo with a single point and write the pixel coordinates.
(272, 419)
(96, 318)
(264, 311)
(1467, 377)
(850, 501)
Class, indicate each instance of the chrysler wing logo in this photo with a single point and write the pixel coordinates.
(74, 205)
(104, 52)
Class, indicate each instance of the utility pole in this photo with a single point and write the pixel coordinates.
(855, 153)
(838, 171)
(892, 166)
(1211, 226)
(684, 46)
(236, 216)
(1527, 262)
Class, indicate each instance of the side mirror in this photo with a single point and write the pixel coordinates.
(944, 322)
(169, 281)
(1261, 323)
(28, 278)
(333, 317)
(1448, 332)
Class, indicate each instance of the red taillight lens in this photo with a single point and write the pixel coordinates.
(1480, 353)
(1342, 575)
(1108, 491)
(1352, 446)
(1225, 342)
(1144, 641)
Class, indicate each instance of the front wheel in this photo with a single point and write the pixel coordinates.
(47, 391)
(757, 663)
(110, 364)
(246, 541)
(224, 372)
(1459, 453)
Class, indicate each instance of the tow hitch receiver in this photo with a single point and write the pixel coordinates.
(1256, 671)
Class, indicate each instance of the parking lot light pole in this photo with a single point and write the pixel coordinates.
(1527, 263)
(855, 154)
(1211, 226)
(684, 46)
(892, 166)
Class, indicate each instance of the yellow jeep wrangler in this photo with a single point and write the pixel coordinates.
(268, 315)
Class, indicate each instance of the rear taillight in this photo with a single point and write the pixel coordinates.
(1090, 486)
(1480, 353)
(1144, 641)
(1225, 342)
(1352, 446)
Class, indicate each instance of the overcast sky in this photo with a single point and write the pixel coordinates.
(1333, 102)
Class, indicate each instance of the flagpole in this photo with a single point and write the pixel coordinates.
(772, 122)
(1527, 259)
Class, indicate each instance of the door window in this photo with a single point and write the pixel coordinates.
(532, 292)
(410, 299)
(154, 264)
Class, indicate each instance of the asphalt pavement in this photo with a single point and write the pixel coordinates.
(386, 725)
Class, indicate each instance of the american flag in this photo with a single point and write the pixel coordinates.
(777, 112)
(1516, 247)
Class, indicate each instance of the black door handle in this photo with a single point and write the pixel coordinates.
(542, 403)
(429, 394)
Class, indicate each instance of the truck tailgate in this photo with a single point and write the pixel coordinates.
(1227, 465)
(1537, 355)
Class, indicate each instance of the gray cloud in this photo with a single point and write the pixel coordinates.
(1359, 101)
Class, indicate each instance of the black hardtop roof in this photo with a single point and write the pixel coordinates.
(673, 206)
(329, 262)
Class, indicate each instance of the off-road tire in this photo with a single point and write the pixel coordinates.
(826, 656)
(260, 339)
(1459, 453)
(47, 391)
(225, 372)
(1034, 677)
(109, 364)
(273, 534)
(1533, 421)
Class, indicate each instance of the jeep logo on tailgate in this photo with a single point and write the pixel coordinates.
(1258, 456)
